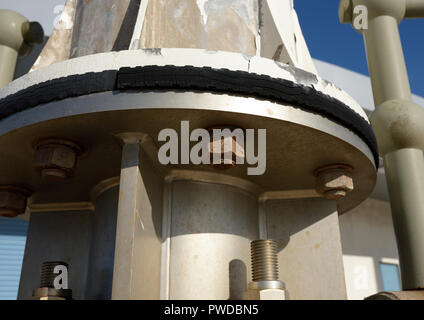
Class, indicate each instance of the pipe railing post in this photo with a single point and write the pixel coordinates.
(414, 9)
(399, 126)
(17, 36)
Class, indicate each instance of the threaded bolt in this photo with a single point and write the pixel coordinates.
(47, 273)
(264, 260)
(47, 290)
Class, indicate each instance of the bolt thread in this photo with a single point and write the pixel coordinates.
(264, 260)
(47, 273)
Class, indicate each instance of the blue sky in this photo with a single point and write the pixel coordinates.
(340, 44)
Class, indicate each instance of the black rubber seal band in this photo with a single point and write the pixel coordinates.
(188, 78)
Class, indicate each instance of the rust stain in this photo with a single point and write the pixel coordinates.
(97, 25)
(58, 46)
(229, 32)
(179, 24)
(172, 24)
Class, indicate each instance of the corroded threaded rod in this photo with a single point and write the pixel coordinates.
(47, 273)
(264, 260)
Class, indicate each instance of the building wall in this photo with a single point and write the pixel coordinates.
(368, 240)
(308, 237)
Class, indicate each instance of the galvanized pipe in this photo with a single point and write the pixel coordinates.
(398, 124)
(8, 59)
(414, 9)
(404, 167)
(405, 178)
(11, 40)
(17, 36)
(389, 76)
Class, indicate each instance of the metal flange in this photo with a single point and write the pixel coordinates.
(13, 200)
(301, 126)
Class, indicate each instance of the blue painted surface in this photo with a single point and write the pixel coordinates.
(12, 246)
(390, 277)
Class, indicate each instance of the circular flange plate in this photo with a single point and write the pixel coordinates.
(300, 138)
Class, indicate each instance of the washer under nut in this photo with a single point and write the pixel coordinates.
(335, 181)
(56, 159)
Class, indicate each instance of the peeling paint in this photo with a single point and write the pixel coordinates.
(97, 25)
(248, 10)
(301, 76)
(173, 24)
(58, 47)
(201, 4)
(247, 57)
(215, 25)
(153, 51)
(227, 31)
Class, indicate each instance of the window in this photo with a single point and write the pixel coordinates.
(390, 277)
(12, 246)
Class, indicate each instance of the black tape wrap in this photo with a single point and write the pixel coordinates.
(200, 79)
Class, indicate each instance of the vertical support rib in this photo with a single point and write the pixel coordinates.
(166, 240)
(137, 265)
(127, 218)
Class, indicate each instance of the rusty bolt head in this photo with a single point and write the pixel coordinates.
(334, 182)
(13, 200)
(56, 159)
(230, 136)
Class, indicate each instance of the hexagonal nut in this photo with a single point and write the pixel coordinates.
(218, 146)
(13, 201)
(56, 159)
(334, 182)
(265, 294)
